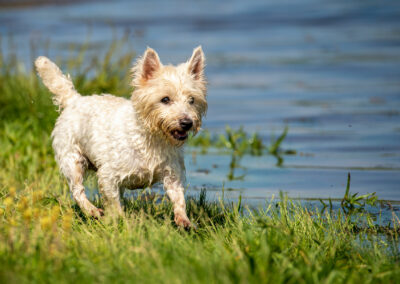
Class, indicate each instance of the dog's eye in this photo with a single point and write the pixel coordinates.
(191, 100)
(165, 100)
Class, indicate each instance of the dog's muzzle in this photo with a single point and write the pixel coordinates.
(181, 134)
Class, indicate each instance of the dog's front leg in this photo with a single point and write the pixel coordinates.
(110, 194)
(174, 189)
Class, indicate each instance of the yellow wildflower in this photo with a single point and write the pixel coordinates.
(55, 212)
(67, 221)
(45, 223)
(22, 203)
(8, 201)
(27, 215)
(36, 212)
(12, 222)
(13, 191)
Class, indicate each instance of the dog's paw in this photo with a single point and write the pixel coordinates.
(97, 213)
(182, 221)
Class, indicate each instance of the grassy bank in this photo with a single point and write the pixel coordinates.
(45, 238)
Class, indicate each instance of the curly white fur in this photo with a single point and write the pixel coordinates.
(132, 143)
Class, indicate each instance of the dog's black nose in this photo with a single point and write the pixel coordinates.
(186, 123)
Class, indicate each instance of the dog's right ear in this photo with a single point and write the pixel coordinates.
(146, 67)
(151, 64)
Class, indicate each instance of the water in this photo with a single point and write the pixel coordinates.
(330, 70)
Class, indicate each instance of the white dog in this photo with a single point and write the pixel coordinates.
(131, 143)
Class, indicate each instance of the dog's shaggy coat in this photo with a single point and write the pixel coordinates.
(132, 143)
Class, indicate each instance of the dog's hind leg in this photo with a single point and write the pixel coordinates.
(73, 166)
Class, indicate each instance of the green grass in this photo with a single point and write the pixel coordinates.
(45, 238)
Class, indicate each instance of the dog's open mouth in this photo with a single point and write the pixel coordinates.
(179, 134)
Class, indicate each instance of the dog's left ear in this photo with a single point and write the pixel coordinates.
(196, 64)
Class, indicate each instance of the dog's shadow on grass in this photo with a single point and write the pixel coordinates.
(200, 211)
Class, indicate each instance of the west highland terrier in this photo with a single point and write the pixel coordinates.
(131, 143)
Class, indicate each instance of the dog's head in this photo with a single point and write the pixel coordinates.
(170, 100)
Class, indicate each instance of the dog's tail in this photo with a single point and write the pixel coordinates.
(59, 84)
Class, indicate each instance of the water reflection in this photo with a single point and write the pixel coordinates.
(233, 165)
